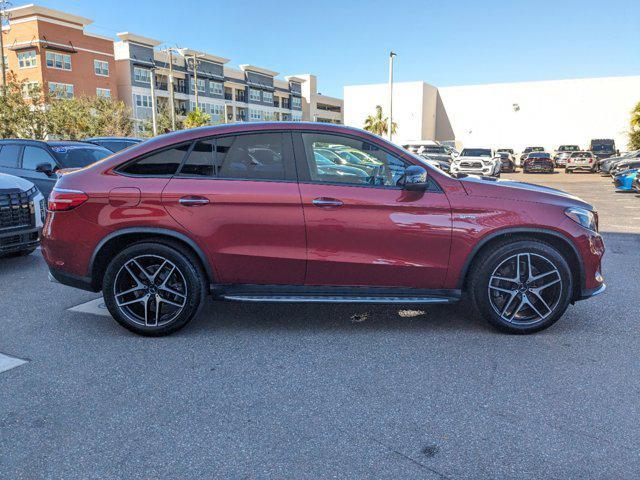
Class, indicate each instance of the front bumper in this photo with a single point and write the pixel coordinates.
(19, 240)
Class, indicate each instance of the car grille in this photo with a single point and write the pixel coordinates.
(17, 209)
(470, 164)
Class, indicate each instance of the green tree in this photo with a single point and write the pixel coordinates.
(163, 120)
(634, 128)
(22, 110)
(80, 117)
(379, 124)
(197, 118)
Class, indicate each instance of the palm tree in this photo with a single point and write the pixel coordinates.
(634, 132)
(378, 123)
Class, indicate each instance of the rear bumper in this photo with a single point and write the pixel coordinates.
(586, 168)
(18, 240)
(65, 278)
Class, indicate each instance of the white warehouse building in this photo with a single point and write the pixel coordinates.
(508, 115)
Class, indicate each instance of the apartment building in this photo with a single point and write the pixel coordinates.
(52, 49)
(250, 93)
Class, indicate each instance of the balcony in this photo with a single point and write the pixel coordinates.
(241, 96)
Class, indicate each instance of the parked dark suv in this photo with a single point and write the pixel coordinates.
(245, 212)
(40, 162)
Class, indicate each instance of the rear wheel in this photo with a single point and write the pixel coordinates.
(153, 289)
(522, 286)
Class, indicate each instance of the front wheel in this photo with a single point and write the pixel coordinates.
(153, 289)
(522, 286)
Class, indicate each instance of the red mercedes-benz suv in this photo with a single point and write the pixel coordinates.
(308, 212)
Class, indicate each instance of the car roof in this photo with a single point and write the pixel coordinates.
(69, 143)
(132, 139)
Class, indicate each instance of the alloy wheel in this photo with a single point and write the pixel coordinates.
(525, 288)
(150, 290)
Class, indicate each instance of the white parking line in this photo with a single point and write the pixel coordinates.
(94, 307)
(7, 362)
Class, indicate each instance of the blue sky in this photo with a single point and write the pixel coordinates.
(347, 42)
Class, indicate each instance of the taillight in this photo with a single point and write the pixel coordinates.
(62, 199)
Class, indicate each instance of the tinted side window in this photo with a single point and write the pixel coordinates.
(200, 160)
(162, 163)
(9, 155)
(116, 146)
(253, 156)
(336, 159)
(34, 156)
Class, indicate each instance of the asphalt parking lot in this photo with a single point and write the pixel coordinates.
(326, 391)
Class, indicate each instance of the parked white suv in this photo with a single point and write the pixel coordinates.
(22, 212)
(476, 161)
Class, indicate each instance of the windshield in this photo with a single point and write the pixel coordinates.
(78, 156)
(540, 155)
(602, 148)
(434, 149)
(476, 152)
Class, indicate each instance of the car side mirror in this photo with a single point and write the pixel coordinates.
(45, 168)
(414, 178)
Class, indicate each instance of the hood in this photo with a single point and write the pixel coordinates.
(11, 182)
(519, 191)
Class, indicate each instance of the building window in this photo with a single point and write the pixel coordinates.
(276, 101)
(255, 115)
(201, 85)
(267, 97)
(27, 59)
(61, 61)
(61, 90)
(329, 108)
(5, 59)
(103, 92)
(29, 87)
(241, 96)
(286, 103)
(101, 68)
(216, 87)
(141, 75)
(296, 117)
(142, 100)
(296, 102)
(254, 95)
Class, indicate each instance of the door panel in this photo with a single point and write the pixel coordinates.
(253, 231)
(362, 228)
(377, 237)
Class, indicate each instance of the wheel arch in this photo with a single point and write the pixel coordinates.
(115, 241)
(555, 239)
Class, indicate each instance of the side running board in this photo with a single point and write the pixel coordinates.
(336, 299)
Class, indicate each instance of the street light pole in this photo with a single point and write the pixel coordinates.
(389, 127)
(3, 15)
(172, 104)
(154, 120)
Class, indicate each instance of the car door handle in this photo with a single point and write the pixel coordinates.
(193, 201)
(327, 202)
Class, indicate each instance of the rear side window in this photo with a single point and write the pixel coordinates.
(256, 156)
(162, 163)
(117, 145)
(9, 155)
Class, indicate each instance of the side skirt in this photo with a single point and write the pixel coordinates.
(323, 294)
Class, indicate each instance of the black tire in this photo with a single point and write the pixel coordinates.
(186, 281)
(529, 298)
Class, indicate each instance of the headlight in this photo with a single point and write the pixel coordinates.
(586, 218)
